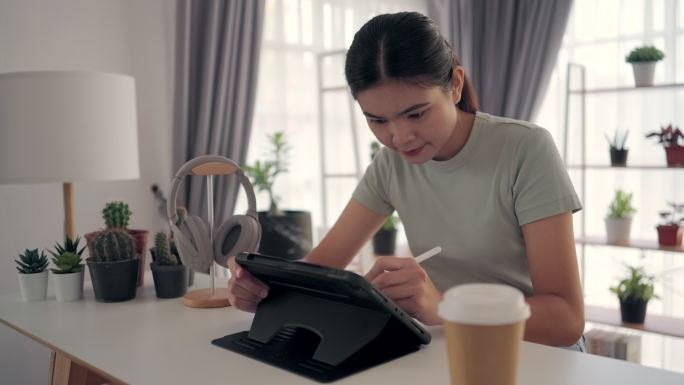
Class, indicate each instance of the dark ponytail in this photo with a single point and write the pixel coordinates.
(405, 46)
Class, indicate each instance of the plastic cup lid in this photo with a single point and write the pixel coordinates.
(483, 304)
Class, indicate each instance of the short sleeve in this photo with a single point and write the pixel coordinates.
(372, 190)
(541, 186)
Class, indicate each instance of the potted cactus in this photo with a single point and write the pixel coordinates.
(670, 230)
(284, 233)
(634, 292)
(68, 274)
(619, 218)
(170, 276)
(643, 60)
(670, 137)
(116, 215)
(33, 277)
(114, 264)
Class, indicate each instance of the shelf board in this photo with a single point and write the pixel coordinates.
(635, 167)
(633, 244)
(659, 324)
(627, 89)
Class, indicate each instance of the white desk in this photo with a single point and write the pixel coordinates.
(149, 341)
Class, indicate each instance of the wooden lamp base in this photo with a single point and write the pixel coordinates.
(204, 299)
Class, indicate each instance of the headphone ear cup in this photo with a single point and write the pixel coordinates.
(200, 237)
(183, 241)
(237, 234)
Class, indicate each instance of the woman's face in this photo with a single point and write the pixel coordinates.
(416, 121)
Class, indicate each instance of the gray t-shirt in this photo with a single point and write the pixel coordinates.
(508, 174)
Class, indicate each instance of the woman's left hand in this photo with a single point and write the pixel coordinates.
(408, 285)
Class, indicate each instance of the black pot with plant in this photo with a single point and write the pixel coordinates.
(170, 276)
(634, 292)
(113, 265)
(618, 152)
(385, 239)
(284, 233)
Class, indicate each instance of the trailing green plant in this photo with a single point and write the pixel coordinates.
(67, 263)
(636, 286)
(162, 250)
(621, 205)
(263, 174)
(668, 136)
(112, 245)
(31, 262)
(391, 223)
(673, 216)
(645, 53)
(116, 214)
(618, 140)
(69, 245)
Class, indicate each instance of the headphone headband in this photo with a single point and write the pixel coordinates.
(191, 165)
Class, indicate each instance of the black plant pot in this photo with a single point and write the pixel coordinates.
(633, 310)
(191, 273)
(114, 281)
(170, 281)
(618, 158)
(287, 236)
(384, 242)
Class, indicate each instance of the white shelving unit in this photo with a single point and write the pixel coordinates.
(664, 325)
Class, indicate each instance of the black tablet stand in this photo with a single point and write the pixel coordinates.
(320, 338)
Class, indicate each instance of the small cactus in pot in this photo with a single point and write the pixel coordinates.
(170, 276)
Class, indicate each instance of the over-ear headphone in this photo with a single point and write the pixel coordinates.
(237, 234)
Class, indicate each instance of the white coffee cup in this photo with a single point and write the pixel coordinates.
(483, 326)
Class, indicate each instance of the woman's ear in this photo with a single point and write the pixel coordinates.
(457, 81)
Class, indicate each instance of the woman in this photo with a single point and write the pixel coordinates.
(492, 192)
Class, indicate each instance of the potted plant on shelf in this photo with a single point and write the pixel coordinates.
(284, 233)
(619, 219)
(670, 230)
(385, 239)
(634, 292)
(670, 137)
(68, 275)
(114, 264)
(117, 214)
(644, 60)
(170, 276)
(33, 277)
(618, 152)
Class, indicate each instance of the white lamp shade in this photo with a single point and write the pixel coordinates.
(67, 126)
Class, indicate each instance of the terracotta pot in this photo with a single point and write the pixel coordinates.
(669, 235)
(674, 155)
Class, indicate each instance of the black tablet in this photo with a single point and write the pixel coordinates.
(320, 322)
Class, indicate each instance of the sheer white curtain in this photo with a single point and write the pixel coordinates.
(295, 31)
(600, 34)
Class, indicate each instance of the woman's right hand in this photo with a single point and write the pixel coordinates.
(244, 291)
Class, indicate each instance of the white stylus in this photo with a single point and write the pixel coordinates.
(428, 254)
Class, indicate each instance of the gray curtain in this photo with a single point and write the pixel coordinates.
(508, 48)
(217, 60)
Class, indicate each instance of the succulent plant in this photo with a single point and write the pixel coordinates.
(69, 245)
(111, 245)
(182, 213)
(67, 263)
(162, 250)
(31, 262)
(116, 214)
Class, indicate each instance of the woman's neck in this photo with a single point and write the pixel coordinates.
(459, 136)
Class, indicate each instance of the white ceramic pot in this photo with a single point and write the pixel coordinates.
(68, 287)
(33, 286)
(643, 73)
(618, 229)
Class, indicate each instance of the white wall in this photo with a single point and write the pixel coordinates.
(130, 37)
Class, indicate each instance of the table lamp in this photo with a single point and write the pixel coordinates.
(67, 126)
